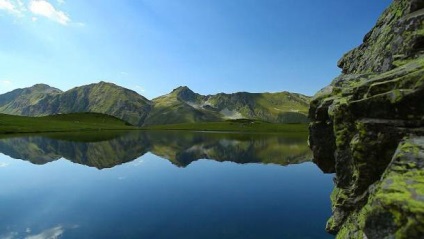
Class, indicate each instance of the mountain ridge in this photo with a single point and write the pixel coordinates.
(181, 105)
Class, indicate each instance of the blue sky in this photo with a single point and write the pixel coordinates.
(154, 46)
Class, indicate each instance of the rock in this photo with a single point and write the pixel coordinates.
(364, 123)
(395, 208)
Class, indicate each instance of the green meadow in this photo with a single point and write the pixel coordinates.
(10, 124)
(84, 122)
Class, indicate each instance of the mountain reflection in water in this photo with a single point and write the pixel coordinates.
(108, 149)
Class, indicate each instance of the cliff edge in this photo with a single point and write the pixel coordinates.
(367, 127)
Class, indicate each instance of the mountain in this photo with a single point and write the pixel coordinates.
(106, 98)
(182, 105)
(282, 107)
(179, 106)
(27, 101)
(368, 128)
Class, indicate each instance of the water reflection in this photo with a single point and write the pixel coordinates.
(108, 149)
(158, 200)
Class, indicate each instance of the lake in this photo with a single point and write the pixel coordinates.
(161, 185)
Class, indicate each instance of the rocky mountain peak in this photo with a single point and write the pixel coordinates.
(43, 88)
(184, 93)
(103, 84)
(182, 89)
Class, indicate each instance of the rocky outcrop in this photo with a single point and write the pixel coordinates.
(366, 128)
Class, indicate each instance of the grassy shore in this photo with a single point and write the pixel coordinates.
(84, 122)
(10, 124)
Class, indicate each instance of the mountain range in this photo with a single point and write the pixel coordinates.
(182, 105)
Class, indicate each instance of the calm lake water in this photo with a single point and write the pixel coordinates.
(161, 185)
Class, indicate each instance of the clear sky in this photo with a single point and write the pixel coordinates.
(154, 46)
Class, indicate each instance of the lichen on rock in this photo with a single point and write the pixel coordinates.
(365, 128)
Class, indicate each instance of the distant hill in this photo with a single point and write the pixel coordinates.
(282, 107)
(106, 98)
(182, 105)
(28, 101)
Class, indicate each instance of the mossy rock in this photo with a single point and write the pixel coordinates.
(358, 121)
(395, 208)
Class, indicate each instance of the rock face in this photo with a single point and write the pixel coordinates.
(367, 128)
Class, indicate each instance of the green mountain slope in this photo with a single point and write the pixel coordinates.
(30, 101)
(105, 98)
(182, 105)
(282, 107)
(175, 108)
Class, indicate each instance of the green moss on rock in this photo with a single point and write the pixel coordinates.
(358, 122)
(396, 205)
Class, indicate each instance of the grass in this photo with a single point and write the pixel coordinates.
(243, 125)
(10, 124)
(84, 122)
